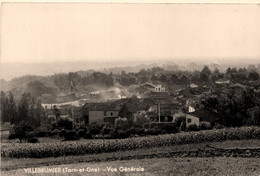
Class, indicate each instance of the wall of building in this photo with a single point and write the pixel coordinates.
(190, 120)
(99, 116)
(96, 116)
(159, 88)
(111, 113)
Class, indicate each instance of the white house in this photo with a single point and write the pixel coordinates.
(222, 81)
(154, 88)
(202, 117)
(191, 120)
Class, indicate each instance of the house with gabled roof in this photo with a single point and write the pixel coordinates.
(163, 112)
(54, 114)
(152, 87)
(200, 117)
(103, 112)
(137, 109)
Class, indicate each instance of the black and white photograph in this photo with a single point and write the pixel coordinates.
(130, 88)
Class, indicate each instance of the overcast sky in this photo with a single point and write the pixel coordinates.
(49, 32)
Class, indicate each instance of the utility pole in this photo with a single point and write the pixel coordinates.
(159, 112)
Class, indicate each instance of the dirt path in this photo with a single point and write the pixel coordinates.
(156, 166)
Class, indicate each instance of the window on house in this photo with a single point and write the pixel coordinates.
(189, 120)
(105, 113)
(111, 113)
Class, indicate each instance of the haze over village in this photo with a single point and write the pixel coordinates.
(43, 68)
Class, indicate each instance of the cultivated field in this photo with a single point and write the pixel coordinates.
(177, 151)
(70, 148)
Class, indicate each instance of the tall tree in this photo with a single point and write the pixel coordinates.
(174, 79)
(40, 109)
(253, 76)
(4, 108)
(194, 78)
(216, 74)
(254, 115)
(184, 79)
(36, 112)
(234, 70)
(206, 70)
(163, 78)
(12, 109)
(153, 78)
(23, 108)
(228, 71)
(143, 79)
(32, 111)
(204, 78)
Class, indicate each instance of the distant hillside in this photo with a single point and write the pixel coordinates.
(58, 87)
(9, 71)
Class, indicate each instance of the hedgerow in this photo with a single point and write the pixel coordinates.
(41, 150)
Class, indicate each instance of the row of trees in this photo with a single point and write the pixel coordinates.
(204, 76)
(27, 109)
(155, 74)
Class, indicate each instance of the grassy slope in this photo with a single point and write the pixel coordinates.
(14, 163)
(168, 166)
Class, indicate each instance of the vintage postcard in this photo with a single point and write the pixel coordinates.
(130, 88)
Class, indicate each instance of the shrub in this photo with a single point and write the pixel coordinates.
(62, 132)
(31, 134)
(133, 131)
(140, 121)
(106, 130)
(55, 132)
(140, 132)
(122, 134)
(94, 129)
(81, 132)
(218, 126)
(71, 135)
(82, 127)
(149, 131)
(165, 127)
(42, 133)
(122, 123)
(203, 126)
(88, 136)
(153, 131)
(170, 128)
(114, 134)
(63, 124)
(32, 140)
(21, 131)
(193, 127)
(12, 135)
